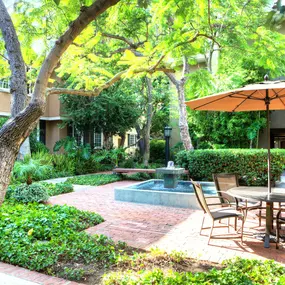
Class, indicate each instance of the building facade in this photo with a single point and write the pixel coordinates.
(48, 127)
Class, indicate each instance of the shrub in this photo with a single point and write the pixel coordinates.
(251, 165)
(95, 179)
(63, 165)
(157, 150)
(30, 170)
(30, 193)
(58, 188)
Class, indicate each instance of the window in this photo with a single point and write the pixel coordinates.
(132, 140)
(4, 84)
(97, 140)
(42, 133)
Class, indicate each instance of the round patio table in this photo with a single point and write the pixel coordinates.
(260, 194)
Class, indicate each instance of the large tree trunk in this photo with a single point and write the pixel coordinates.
(17, 129)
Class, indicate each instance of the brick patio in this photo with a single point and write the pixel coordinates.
(146, 226)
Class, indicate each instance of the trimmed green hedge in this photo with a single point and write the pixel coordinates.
(250, 164)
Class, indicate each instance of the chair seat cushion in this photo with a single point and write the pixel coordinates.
(225, 212)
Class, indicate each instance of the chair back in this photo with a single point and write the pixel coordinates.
(224, 182)
(200, 197)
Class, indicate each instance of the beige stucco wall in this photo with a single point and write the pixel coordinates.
(116, 140)
(52, 107)
(5, 100)
(54, 133)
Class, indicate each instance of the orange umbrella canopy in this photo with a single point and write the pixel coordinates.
(251, 97)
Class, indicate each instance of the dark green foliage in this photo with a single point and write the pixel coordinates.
(30, 193)
(239, 271)
(113, 156)
(114, 111)
(35, 145)
(37, 236)
(3, 120)
(251, 165)
(58, 188)
(217, 130)
(157, 150)
(95, 179)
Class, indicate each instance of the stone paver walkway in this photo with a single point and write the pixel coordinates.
(146, 226)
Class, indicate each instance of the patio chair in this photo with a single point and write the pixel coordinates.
(226, 181)
(218, 213)
(279, 221)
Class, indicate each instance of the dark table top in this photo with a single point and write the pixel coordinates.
(258, 194)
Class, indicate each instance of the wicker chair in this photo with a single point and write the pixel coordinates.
(226, 181)
(217, 213)
(279, 221)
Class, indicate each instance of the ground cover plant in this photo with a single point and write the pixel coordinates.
(51, 239)
(58, 188)
(94, 179)
(47, 238)
(175, 268)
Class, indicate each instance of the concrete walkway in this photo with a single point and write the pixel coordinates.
(145, 226)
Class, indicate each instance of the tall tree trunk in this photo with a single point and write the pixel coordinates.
(16, 130)
(146, 154)
(180, 87)
(123, 139)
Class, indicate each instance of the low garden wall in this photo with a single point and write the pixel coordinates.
(250, 164)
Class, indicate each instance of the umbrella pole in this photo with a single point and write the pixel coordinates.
(267, 102)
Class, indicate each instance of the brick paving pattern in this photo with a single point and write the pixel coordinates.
(146, 226)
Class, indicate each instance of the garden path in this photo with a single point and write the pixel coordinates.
(146, 226)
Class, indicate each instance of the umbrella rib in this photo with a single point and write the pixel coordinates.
(205, 104)
(277, 96)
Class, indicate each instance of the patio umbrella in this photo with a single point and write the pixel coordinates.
(264, 96)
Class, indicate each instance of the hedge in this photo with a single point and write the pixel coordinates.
(157, 150)
(250, 164)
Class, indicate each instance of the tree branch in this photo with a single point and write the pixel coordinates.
(117, 37)
(18, 81)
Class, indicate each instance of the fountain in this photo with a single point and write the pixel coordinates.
(167, 192)
(170, 174)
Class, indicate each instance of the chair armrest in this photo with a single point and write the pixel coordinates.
(279, 214)
(219, 197)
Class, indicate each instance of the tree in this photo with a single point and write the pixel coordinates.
(24, 119)
(113, 112)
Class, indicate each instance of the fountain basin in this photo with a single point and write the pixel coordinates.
(152, 192)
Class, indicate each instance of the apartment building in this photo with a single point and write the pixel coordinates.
(48, 127)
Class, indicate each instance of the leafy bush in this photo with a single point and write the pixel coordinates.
(239, 271)
(63, 165)
(95, 179)
(157, 150)
(30, 170)
(250, 164)
(58, 188)
(113, 156)
(30, 193)
(38, 236)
